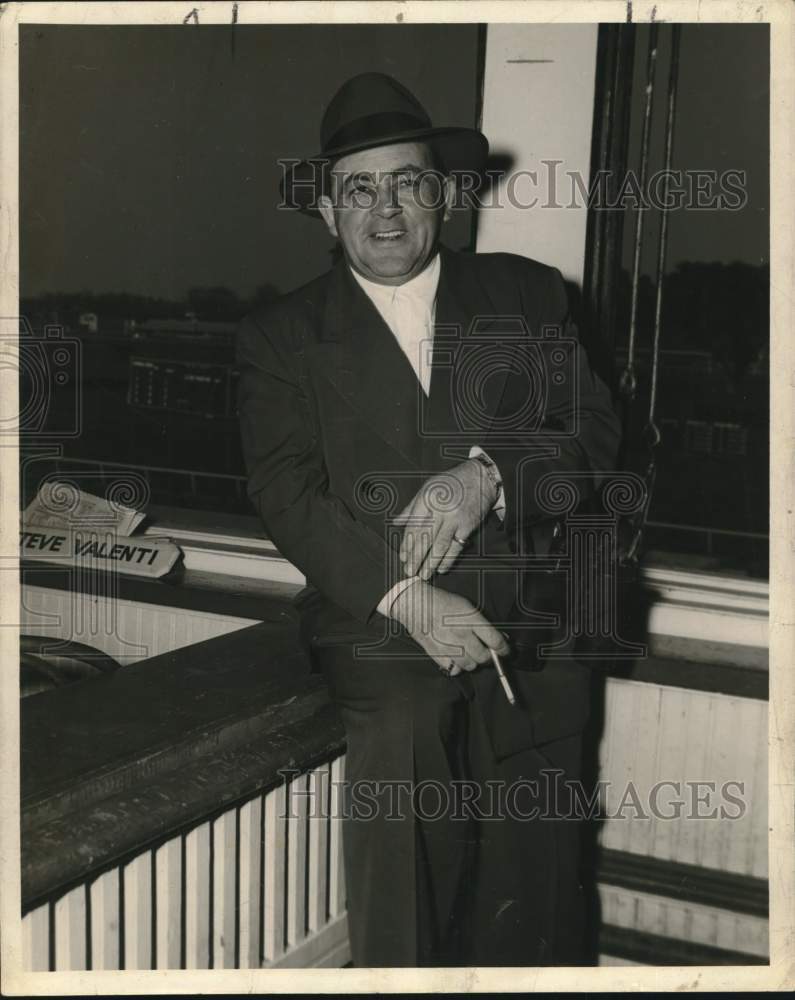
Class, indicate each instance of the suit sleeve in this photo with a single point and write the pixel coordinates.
(351, 564)
(583, 402)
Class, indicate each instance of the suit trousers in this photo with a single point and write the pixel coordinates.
(451, 857)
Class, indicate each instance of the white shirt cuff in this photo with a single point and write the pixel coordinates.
(499, 503)
(389, 598)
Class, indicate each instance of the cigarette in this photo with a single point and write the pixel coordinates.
(503, 679)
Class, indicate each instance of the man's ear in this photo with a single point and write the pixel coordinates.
(449, 196)
(326, 210)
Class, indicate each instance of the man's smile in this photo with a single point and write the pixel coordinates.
(389, 235)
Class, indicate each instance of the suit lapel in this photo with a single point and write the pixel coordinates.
(465, 316)
(359, 355)
(362, 359)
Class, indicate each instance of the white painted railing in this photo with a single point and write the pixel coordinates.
(262, 884)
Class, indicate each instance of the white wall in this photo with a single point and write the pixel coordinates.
(537, 109)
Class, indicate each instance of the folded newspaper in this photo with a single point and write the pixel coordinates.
(64, 524)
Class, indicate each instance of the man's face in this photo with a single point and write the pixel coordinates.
(387, 207)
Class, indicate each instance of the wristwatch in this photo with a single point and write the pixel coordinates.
(491, 470)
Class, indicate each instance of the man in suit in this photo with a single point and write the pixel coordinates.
(400, 417)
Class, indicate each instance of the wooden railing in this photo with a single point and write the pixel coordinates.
(155, 811)
(168, 818)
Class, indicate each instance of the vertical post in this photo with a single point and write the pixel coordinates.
(604, 232)
(628, 383)
(651, 431)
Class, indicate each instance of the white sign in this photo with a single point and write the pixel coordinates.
(105, 550)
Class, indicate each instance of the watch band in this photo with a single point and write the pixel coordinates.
(491, 470)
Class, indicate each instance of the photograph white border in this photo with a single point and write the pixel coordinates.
(779, 975)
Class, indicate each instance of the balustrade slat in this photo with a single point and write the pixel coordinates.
(250, 881)
(296, 859)
(336, 872)
(105, 923)
(197, 898)
(137, 877)
(168, 903)
(70, 930)
(224, 889)
(36, 939)
(274, 873)
(318, 847)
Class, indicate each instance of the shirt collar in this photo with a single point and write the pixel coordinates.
(422, 287)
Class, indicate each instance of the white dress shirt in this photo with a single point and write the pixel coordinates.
(409, 311)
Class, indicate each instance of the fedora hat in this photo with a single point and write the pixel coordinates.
(371, 110)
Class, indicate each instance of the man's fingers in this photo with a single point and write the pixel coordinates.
(468, 664)
(416, 521)
(476, 649)
(454, 550)
(464, 662)
(404, 517)
(474, 654)
(416, 538)
(423, 536)
(417, 543)
(436, 552)
(454, 665)
(407, 544)
(492, 638)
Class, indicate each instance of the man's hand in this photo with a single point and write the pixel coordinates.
(446, 510)
(448, 627)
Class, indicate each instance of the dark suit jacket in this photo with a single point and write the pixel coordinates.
(338, 437)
